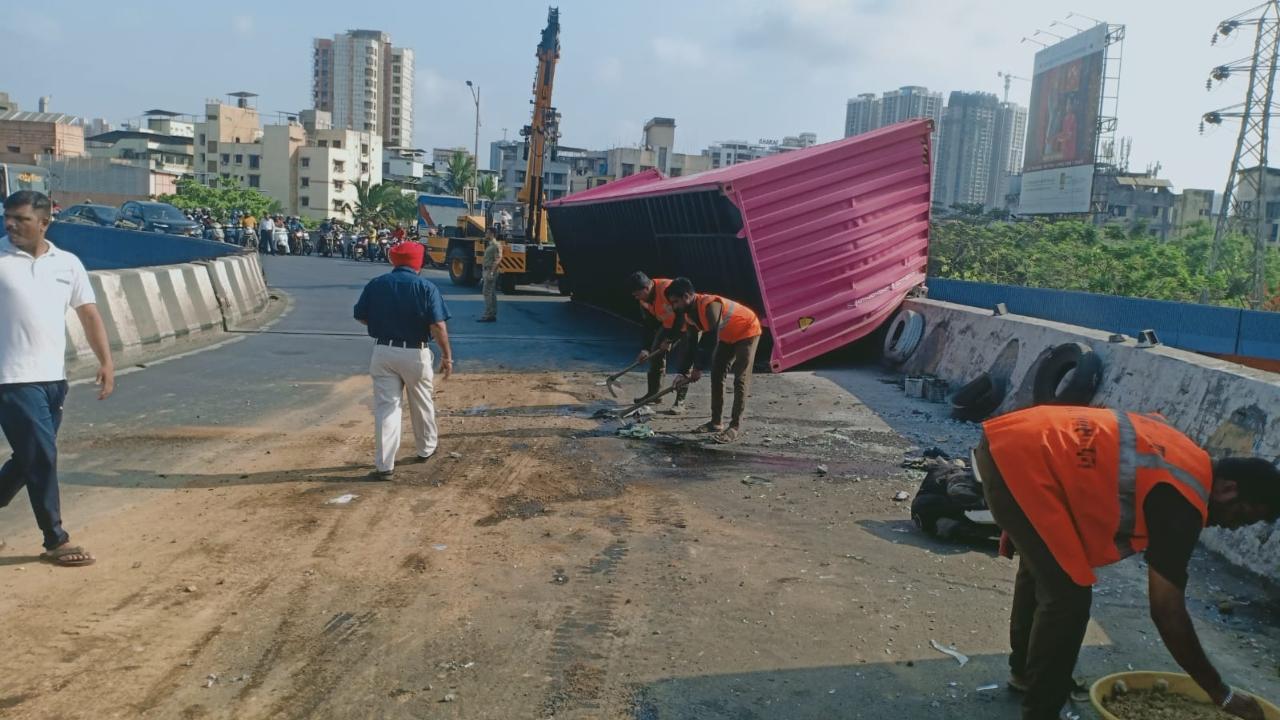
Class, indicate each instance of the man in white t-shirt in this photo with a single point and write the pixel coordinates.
(266, 235)
(38, 282)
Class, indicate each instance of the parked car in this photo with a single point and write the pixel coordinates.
(156, 217)
(87, 214)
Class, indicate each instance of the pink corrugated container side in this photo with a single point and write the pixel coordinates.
(839, 232)
(838, 237)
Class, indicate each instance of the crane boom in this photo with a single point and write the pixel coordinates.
(542, 132)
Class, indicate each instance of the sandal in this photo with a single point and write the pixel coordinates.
(708, 427)
(67, 556)
(729, 435)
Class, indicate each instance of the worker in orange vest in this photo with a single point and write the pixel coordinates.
(730, 334)
(1078, 488)
(658, 318)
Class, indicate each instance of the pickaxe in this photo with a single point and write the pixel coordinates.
(609, 381)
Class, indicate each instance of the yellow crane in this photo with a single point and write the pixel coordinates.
(529, 256)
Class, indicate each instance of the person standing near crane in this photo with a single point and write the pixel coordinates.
(492, 256)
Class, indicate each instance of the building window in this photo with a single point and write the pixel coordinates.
(364, 149)
(339, 166)
(338, 206)
(628, 169)
(338, 185)
(201, 139)
(323, 143)
(226, 158)
(304, 201)
(364, 168)
(239, 159)
(14, 149)
(306, 162)
(254, 161)
(337, 144)
(306, 182)
(255, 181)
(212, 147)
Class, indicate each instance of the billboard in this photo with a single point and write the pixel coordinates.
(1062, 127)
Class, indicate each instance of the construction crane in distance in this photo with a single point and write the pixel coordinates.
(1008, 80)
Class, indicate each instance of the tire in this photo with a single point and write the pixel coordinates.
(507, 283)
(1068, 375)
(903, 337)
(462, 267)
(977, 399)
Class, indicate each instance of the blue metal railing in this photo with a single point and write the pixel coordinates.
(1200, 328)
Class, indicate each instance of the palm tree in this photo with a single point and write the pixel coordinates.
(460, 172)
(488, 188)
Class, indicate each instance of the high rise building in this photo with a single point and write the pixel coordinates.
(861, 114)
(964, 153)
(909, 102)
(365, 84)
(1010, 140)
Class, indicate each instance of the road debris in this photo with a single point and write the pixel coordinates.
(559, 577)
(341, 499)
(210, 679)
(950, 650)
(901, 495)
(822, 470)
(639, 431)
(753, 480)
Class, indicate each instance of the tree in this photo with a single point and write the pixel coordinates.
(224, 196)
(1072, 255)
(382, 204)
(460, 172)
(489, 189)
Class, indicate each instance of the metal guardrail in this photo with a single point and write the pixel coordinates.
(1199, 328)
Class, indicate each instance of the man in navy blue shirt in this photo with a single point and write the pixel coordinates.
(404, 312)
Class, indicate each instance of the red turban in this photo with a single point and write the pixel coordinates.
(407, 253)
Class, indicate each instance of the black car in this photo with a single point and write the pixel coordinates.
(87, 214)
(156, 217)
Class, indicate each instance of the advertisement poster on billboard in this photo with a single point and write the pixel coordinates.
(1066, 94)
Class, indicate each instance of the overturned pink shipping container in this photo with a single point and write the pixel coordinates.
(824, 243)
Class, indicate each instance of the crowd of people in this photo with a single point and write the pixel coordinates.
(287, 235)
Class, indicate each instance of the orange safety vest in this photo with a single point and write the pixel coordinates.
(1081, 475)
(660, 308)
(737, 321)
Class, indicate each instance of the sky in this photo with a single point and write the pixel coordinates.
(727, 69)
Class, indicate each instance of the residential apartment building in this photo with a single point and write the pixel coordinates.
(1246, 198)
(1132, 200)
(27, 136)
(732, 152)
(510, 158)
(8, 104)
(1191, 206)
(365, 83)
(302, 161)
(403, 165)
(1008, 147)
(861, 114)
(964, 157)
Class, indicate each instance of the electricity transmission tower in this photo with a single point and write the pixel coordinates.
(1249, 164)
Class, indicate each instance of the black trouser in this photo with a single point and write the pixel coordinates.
(1050, 611)
(739, 357)
(30, 414)
(681, 363)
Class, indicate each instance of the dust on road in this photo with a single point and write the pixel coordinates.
(537, 567)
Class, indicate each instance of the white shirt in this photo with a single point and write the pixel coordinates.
(267, 224)
(34, 296)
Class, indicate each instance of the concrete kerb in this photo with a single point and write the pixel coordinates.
(1227, 408)
(153, 306)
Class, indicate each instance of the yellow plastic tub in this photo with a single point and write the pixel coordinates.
(1145, 680)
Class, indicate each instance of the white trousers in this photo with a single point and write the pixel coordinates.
(394, 370)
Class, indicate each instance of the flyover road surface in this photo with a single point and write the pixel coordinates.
(539, 565)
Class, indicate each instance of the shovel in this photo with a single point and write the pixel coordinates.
(645, 401)
(609, 381)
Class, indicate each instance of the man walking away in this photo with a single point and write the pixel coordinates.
(1078, 488)
(38, 282)
(657, 325)
(492, 256)
(730, 334)
(404, 312)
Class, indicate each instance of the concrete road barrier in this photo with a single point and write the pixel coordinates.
(153, 306)
(1228, 408)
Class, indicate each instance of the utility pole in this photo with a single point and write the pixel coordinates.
(1249, 163)
(475, 176)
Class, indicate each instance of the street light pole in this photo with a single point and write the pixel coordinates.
(475, 178)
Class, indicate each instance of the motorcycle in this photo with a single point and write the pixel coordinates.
(358, 249)
(302, 244)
